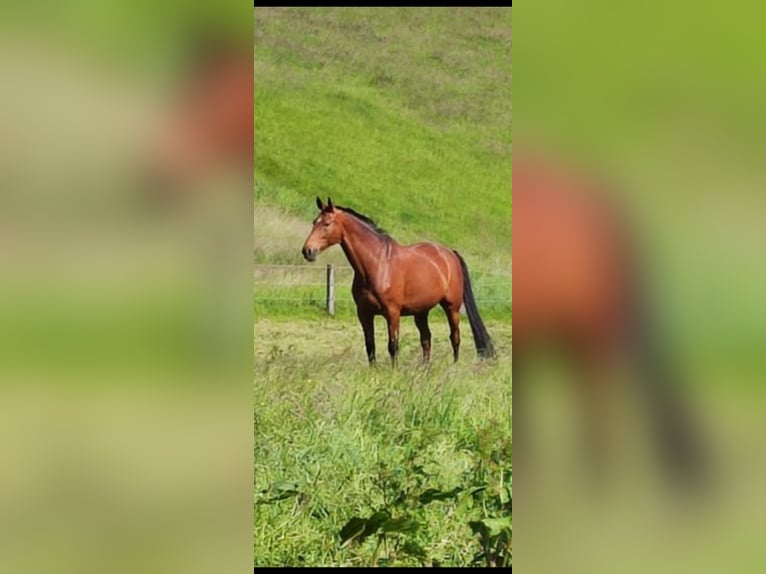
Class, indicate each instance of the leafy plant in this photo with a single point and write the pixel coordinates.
(395, 526)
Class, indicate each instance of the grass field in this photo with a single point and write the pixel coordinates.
(425, 452)
(404, 115)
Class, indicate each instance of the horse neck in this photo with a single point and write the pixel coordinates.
(363, 246)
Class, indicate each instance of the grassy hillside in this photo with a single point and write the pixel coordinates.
(403, 114)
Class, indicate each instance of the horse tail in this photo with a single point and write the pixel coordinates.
(484, 346)
(678, 435)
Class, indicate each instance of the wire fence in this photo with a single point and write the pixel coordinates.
(329, 286)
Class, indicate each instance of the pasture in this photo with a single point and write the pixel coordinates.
(405, 116)
(425, 449)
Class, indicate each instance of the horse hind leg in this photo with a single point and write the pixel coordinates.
(421, 321)
(393, 336)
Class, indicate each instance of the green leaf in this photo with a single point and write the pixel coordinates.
(496, 526)
(466, 503)
(469, 498)
(284, 485)
(279, 491)
(401, 524)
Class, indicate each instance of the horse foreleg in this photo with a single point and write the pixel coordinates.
(368, 326)
(421, 321)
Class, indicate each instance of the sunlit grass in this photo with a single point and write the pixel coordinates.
(405, 116)
(412, 129)
(335, 439)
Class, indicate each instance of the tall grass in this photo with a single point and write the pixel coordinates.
(426, 448)
(404, 115)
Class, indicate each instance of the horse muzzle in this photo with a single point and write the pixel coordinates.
(310, 254)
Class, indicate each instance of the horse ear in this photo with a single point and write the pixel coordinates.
(329, 203)
(320, 205)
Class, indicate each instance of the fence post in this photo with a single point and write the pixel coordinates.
(331, 289)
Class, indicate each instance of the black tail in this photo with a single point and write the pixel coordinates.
(484, 346)
(679, 436)
(680, 440)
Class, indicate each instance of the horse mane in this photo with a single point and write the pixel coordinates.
(365, 219)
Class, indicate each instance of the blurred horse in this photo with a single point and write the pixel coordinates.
(576, 287)
(209, 126)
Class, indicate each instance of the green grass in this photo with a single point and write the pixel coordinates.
(404, 115)
(428, 448)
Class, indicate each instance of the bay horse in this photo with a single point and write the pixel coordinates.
(209, 126)
(394, 280)
(577, 287)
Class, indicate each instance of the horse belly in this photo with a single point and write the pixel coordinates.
(423, 289)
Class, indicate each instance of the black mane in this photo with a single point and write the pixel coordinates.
(365, 219)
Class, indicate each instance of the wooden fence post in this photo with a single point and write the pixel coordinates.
(331, 289)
